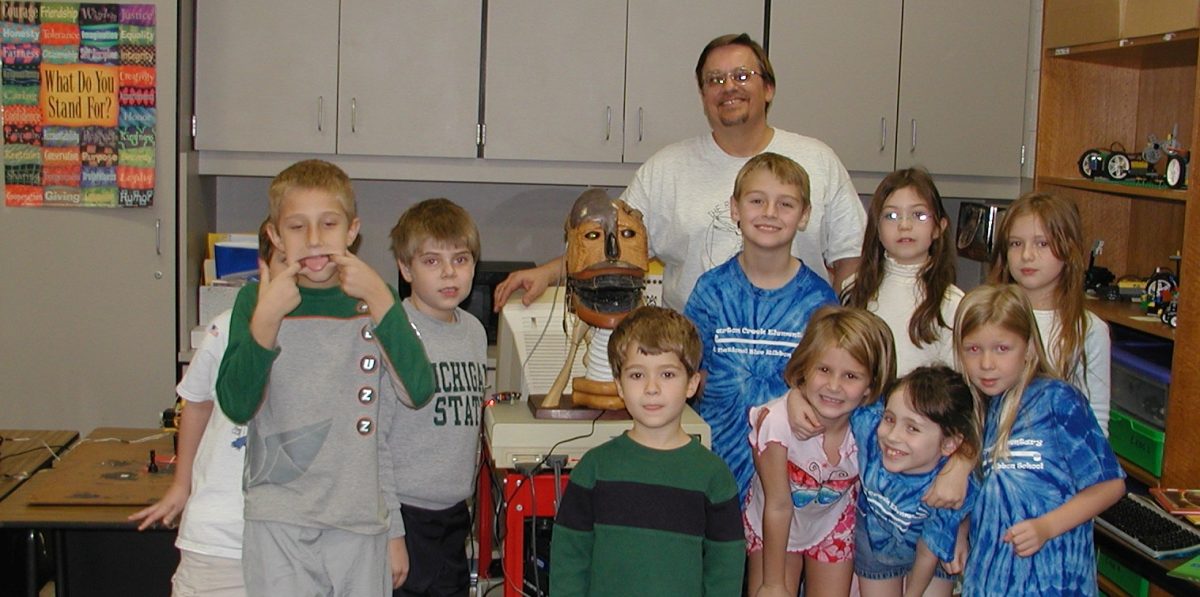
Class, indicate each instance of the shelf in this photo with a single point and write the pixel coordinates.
(1142, 475)
(1133, 48)
(1109, 587)
(1113, 188)
(1130, 315)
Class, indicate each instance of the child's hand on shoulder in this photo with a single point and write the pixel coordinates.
(801, 417)
(362, 282)
(1028, 536)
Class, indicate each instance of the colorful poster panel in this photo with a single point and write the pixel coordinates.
(79, 104)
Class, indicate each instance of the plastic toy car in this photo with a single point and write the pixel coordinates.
(1115, 163)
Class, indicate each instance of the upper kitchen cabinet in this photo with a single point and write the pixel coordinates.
(266, 75)
(371, 77)
(837, 70)
(962, 86)
(409, 77)
(934, 83)
(599, 81)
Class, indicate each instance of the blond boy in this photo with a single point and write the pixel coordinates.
(318, 355)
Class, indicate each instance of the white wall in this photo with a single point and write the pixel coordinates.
(516, 222)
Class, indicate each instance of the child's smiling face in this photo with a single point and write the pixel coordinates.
(909, 441)
(836, 384)
(769, 212)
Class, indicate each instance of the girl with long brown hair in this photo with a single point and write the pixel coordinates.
(1039, 247)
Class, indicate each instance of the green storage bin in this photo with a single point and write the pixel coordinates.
(1136, 441)
(1129, 581)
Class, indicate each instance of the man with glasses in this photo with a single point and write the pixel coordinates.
(683, 190)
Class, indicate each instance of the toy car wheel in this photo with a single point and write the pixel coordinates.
(1116, 166)
(1176, 172)
(1170, 315)
(1090, 163)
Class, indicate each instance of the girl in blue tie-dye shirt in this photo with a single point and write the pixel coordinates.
(930, 415)
(1047, 468)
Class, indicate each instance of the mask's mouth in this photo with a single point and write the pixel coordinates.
(609, 290)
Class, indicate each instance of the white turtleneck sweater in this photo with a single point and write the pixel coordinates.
(899, 294)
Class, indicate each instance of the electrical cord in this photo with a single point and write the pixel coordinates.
(44, 446)
(139, 440)
(503, 502)
(549, 318)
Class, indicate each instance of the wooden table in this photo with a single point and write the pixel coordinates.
(84, 502)
(26, 451)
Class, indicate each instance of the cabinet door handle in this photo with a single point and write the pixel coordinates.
(882, 133)
(913, 146)
(607, 122)
(639, 124)
(158, 237)
(320, 113)
(354, 114)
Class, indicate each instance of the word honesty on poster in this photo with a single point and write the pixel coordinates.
(79, 84)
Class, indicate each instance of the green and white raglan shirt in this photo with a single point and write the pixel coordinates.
(319, 407)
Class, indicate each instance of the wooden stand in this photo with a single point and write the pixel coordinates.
(567, 410)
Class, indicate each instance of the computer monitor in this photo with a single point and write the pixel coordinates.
(532, 344)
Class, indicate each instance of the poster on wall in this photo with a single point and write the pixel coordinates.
(79, 104)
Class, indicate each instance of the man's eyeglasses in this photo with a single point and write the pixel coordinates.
(739, 76)
(916, 217)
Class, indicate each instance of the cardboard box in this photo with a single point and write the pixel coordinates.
(1155, 17)
(1075, 22)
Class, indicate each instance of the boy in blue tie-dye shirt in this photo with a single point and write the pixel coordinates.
(752, 310)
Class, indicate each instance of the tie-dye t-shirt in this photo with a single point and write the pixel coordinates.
(1057, 450)
(890, 511)
(748, 333)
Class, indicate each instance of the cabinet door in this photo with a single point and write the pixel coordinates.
(409, 77)
(662, 101)
(555, 80)
(266, 75)
(962, 86)
(837, 65)
(87, 305)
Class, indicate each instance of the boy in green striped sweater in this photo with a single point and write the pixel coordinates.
(651, 512)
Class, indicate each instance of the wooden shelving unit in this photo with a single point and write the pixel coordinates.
(1113, 188)
(1098, 94)
(1130, 315)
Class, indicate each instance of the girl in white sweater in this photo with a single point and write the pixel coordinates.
(906, 276)
(1039, 246)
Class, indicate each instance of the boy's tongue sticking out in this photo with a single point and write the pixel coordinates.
(314, 263)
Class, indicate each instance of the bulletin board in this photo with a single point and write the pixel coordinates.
(79, 104)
